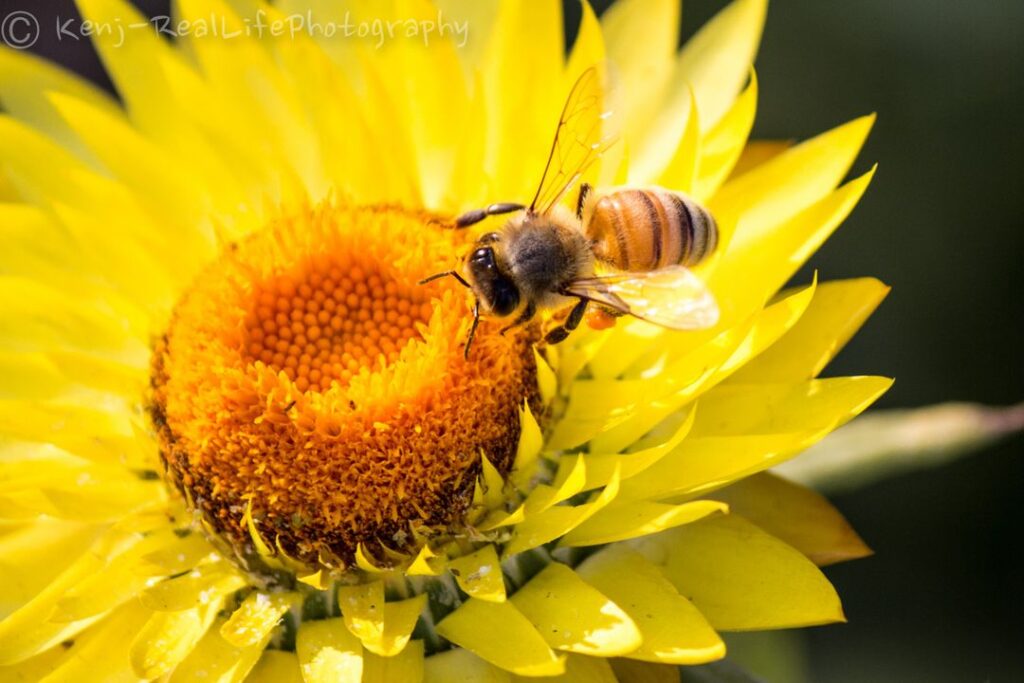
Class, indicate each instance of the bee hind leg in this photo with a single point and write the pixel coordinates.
(585, 189)
(476, 215)
(560, 333)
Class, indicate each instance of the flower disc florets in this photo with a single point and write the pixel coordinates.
(310, 391)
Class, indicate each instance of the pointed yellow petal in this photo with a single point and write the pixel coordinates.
(404, 667)
(426, 563)
(256, 617)
(750, 409)
(25, 82)
(531, 442)
(837, 310)
(757, 152)
(462, 665)
(479, 574)
(716, 61)
(796, 515)
(702, 463)
(715, 64)
(673, 630)
(276, 666)
(571, 615)
(794, 180)
(362, 607)
(569, 480)
(724, 147)
(487, 628)
(642, 36)
(555, 522)
(167, 638)
(711, 562)
(328, 652)
(639, 518)
(215, 660)
(682, 167)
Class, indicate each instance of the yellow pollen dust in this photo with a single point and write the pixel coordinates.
(306, 376)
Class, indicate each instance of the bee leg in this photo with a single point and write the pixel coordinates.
(585, 189)
(524, 317)
(472, 330)
(559, 333)
(476, 215)
(436, 276)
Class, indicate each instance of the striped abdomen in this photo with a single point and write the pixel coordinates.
(646, 229)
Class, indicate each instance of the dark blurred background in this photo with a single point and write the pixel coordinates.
(943, 598)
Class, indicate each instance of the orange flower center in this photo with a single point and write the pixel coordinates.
(307, 379)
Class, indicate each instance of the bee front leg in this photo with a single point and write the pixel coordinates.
(559, 333)
(476, 215)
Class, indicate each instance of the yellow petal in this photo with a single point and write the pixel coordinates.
(639, 518)
(488, 628)
(632, 671)
(706, 462)
(673, 630)
(25, 82)
(215, 660)
(569, 480)
(642, 36)
(714, 63)
(479, 574)
(399, 621)
(789, 183)
(578, 669)
(362, 607)
(328, 652)
(36, 668)
(100, 653)
(750, 409)
(462, 665)
(796, 515)
(531, 441)
(256, 617)
(725, 146)
(572, 615)
(167, 638)
(33, 555)
(757, 152)
(555, 522)
(199, 586)
(711, 562)
(426, 563)
(602, 466)
(682, 167)
(837, 310)
(276, 666)
(404, 667)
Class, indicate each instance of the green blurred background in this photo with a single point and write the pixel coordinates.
(943, 598)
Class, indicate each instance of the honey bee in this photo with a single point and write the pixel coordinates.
(547, 258)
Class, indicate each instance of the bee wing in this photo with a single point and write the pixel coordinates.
(672, 297)
(589, 125)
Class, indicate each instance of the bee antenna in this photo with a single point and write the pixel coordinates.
(472, 330)
(438, 276)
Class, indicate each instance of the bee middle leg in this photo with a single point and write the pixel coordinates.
(559, 333)
(476, 215)
(524, 317)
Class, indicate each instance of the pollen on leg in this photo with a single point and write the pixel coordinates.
(307, 377)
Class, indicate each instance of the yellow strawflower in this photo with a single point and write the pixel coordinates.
(238, 441)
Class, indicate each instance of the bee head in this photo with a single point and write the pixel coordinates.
(497, 291)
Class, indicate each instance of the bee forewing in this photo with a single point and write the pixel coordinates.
(671, 297)
(591, 122)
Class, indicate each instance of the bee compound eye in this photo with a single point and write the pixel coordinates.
(504, 298)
